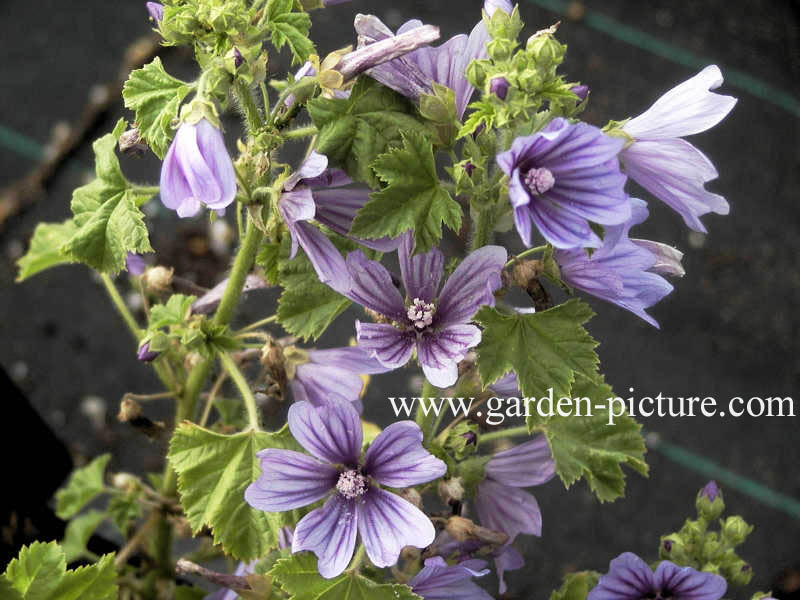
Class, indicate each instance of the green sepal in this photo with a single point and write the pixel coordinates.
(576, 586)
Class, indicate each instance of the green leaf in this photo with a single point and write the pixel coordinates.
(588, 446)
(287, 27)
(106, 213)
(213, 472)
(483, 113)
(354, 131)
(576, 586)
(412, 197)
(298, 576)
(37, 570)
(124, 508)
(545, 348)
(155, 96)
(83, 485)
(174, 312)
(78, 532)
(94, 582)
(8, 591)
(44, 251)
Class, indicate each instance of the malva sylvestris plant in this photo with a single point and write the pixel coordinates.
(410, 142)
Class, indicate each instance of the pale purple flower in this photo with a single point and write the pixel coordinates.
(197, 170)
(439, 581)
(144, 354)
(334, 374)
(317, 193)
(355, 502)
(621, 270)
(209, 301)
(134, 263)
(630, 578)
(155, 10)
(414, 74)
(671, 168)
(500, 502)
(563, 177)
(506, 557)
(436, 323)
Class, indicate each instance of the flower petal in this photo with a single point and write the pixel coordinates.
(289, 480)
(684, 583)
(397, 459)
(628, 578)
(421, 273)
(440, 352)
(330, 533)
(313, 166)
(319, 383)
(471, 286)
(390, 346)
(387, 524)
(529, 463)
(332, 432)
(507, 509)
(439, 581)
(211, 145)
(295, 207)
(372, 287)
(326, 259)
(507, 558)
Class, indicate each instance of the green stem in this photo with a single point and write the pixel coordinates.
(482, 234)
(259, 323)
(151, 190)
(503, 433)
(121, 307)
(238, 378)
(426, 422)
(241, 267)
(525, 253)
(355, 564)
(300, 132)
(245, 97)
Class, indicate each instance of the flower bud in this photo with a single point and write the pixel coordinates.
(158, 279)
(124, 481)
(672, 548)
(134, 263)
(500, 50)
(238, 59)
(499, 87)
(144, 354)
(740, 573)
(735, 530)
(413, 496)
(581, 91)
(156, 10)
(468, 168)
(451, 490)
(709, 502)
(131, 143)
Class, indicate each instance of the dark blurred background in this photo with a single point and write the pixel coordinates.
(729, 329)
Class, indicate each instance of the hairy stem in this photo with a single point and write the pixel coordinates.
(238, 378)
(300, 132)
(524, 254)
(482, 232)
(251, 114)
(426, 422)
(503, 433)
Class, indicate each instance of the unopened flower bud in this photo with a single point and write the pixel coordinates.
(156, 10)
(131, 143)
(463, 529)
(157, 280)
(581, 91)
(238, 59)
(129, 410)
(144, 354)
(740, 573)
(499, 87)
(709, 502)
(735, 530)
(124, 481)
(468, 168)
(451, 490)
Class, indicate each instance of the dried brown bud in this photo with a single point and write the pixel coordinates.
(132, 144)
(158, 280)
(129, 409)
(412, 496)
(463, 529)
(451, 490)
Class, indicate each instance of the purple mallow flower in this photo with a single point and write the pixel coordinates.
(671, 168)
(561, 179)
(134, 263)
(335, 374)
(414, 74)
(439, 581)
(315, 192)
(506, 557)
(197, 170)
(630, 578)
(500, 503)
(356, 503)
(622, 271)
(435, 323)
(155, 10)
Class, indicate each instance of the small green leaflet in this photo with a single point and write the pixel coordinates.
(213, 472)
(298, 576)
(483, 113)
(412, 198)
(40, 573)
(587, 446)
(174, 312)
(576, 586)
(287, 27)
(155, 96)
(78, 532)
(354, 131)
(83, 485)
(545, 348)
(106, 213)
(44, 249)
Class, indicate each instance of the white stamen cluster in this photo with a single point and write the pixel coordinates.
(538, 181)
(420, 314)
(351, 484)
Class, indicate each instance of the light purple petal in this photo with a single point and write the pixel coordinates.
(211, 299)
(332, 432)
(421, 273)
(675, 172)
(507, 509)
(318, 383)
(489, 6)
(439, 581)
(295, 207)
(440, 352)
(212, 147)
(372, 287)
(668, 258)
(349, 358)
(526, 464)
(471, 286)
(507, 386)
(684, 583)
(326, 259)
(507, 558)
(628, 578)
(387, 524)
(313, 166)
(397, 459)
(330, 533)
(336, 208)
(289, 480)
(390, 346)
(134, 263)
(686, 109)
